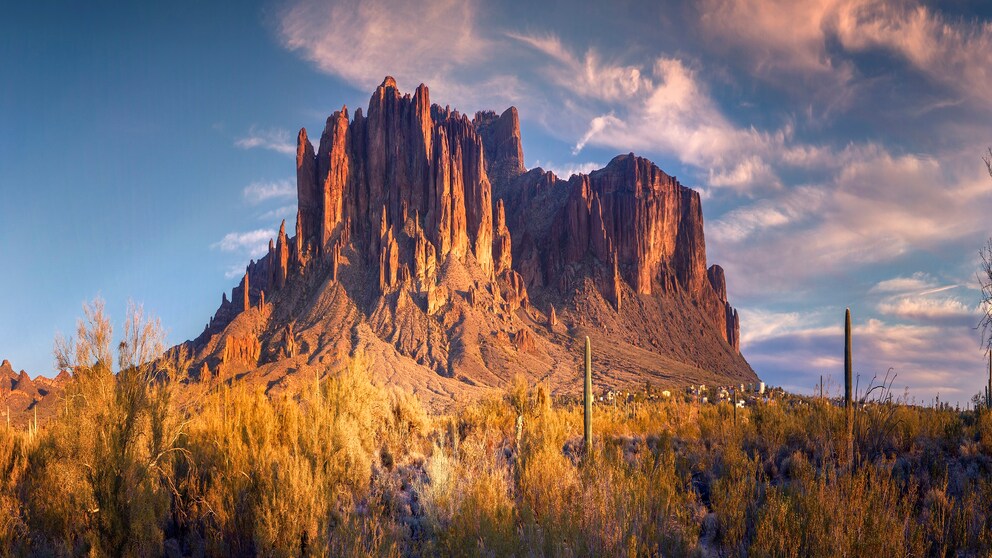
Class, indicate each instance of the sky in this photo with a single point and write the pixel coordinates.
(147, 151)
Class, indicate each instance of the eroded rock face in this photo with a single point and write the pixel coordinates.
(628, 223)
(405, 160)
(421, 230)
(501, 138)
(241, 350)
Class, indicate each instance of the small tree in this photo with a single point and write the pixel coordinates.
(111, 459)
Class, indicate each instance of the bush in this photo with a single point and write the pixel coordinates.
(346, 467)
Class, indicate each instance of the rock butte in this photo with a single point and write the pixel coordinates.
(425, 248)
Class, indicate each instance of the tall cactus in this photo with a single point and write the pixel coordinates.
(588, 398)
(988, 389)
(848, 386)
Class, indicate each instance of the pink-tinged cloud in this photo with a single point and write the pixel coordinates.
(927, 358)
(878, 207)
(781, 38)
(929, 309)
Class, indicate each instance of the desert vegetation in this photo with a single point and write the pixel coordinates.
(349, 467)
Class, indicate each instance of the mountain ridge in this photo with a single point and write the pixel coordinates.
(423, 243)
(425, 248)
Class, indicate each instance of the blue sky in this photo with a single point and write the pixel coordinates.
(146, 152)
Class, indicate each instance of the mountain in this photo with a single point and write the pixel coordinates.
(21, 397)
(424, 247)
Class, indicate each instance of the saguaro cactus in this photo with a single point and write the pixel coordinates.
(848, 386)
(988, 389)
(588, 398)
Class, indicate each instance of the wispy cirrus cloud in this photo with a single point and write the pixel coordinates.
(440, 43)
(930, 309)
(252, 243)
(258, 192)
(273, 139)
(918, 281)
(279, 213)
(875, 209)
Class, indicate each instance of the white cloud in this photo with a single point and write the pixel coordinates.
(440, 43)
(258, 192)
(927, 309)
(235, 271)
(766, 324)
(273, 139)
(793, 206)
(589, 76)
(280, 213)
(668, 109)
(566, 170)
(254, 243)
(919, 281)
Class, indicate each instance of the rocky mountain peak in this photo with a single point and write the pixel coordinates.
(422, 242)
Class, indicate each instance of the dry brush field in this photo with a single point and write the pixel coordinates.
(349, 467)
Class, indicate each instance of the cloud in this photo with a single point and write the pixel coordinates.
(235, 271)
(792, 207)
(440, 43)
(817, 41)
(927, 358)
(913, 298)
(919, 281)
(254, 243)
(566, 170)
(666, 107)
(661, 108)
(274, 139)
(279, 213)
(766, 324)
(589, 76)
(258, 192)
(877, 207)
(930, 310)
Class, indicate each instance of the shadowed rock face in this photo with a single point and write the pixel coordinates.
(423, 244)
(629, 222)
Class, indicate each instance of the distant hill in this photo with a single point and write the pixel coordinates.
(21, 397)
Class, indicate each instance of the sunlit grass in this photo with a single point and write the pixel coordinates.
(348, 467)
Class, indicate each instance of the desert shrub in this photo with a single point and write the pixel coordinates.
(285, 477)
(101, 477)
(13, 466)
(831, 514)
(345, 467)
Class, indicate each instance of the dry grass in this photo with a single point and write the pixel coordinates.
(352, 468)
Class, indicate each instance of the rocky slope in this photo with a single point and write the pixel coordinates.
(21, 398)
(424, 247)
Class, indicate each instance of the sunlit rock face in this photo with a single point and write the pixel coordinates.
(423, 244)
